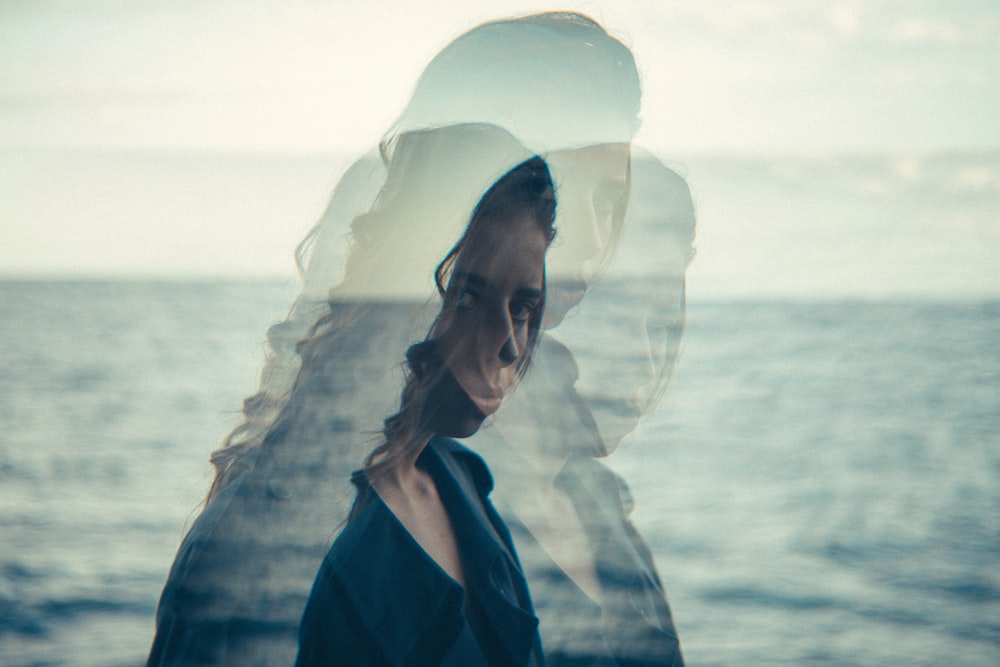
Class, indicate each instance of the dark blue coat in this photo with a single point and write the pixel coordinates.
(379, 599)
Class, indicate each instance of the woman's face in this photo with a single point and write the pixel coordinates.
(592, 185)
(496, 287)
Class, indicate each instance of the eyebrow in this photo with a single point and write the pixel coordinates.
(479, 281)
(530, 293)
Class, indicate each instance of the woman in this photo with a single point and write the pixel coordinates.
(425, 571)
(225, 600)
(565, 88)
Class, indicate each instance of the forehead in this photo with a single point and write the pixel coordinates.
(507, 249)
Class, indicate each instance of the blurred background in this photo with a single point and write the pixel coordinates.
(821, 484)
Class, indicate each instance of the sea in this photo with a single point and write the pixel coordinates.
(820, 484)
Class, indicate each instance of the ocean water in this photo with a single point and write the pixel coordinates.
(111, 396)
(821, 485)
(828, 484)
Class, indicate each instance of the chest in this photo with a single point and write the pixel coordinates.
(426, 520)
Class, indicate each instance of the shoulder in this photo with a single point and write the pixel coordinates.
(584, 474)
(371, 545)
(371, 529)
(377, 598)
(202, 538)
(198, 597)
(467, 461)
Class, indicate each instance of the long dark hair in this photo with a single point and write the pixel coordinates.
(555, 80)
(524, 191)
(435, 177)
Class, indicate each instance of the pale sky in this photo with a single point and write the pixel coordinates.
(99, 84)
(720, 75)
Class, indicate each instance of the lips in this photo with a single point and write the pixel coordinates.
(487, 404)
(483, 394)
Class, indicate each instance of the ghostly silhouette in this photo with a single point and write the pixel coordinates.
(558, 85)
(595, 583)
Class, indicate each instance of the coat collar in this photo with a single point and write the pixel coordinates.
(403, 606)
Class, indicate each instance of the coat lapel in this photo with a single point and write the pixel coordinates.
(402, 607)
(418, 611)
(492, 570)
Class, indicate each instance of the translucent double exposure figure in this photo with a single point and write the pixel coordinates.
(548, 364)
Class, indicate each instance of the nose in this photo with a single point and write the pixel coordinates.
(502, 332)
(508, 352)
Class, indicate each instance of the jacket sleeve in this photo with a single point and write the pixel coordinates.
(331, 632)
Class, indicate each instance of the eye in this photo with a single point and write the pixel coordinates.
(468, 297)
(522, 310)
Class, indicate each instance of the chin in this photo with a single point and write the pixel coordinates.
(465, 429)
(456, 423)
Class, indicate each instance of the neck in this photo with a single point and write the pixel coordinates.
(399, 470)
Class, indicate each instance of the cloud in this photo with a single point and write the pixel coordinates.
(924, 31)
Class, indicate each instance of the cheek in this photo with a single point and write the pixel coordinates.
(508, 377)
(524, 338)
(452, 336)
(454, 357)
(460, 349)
